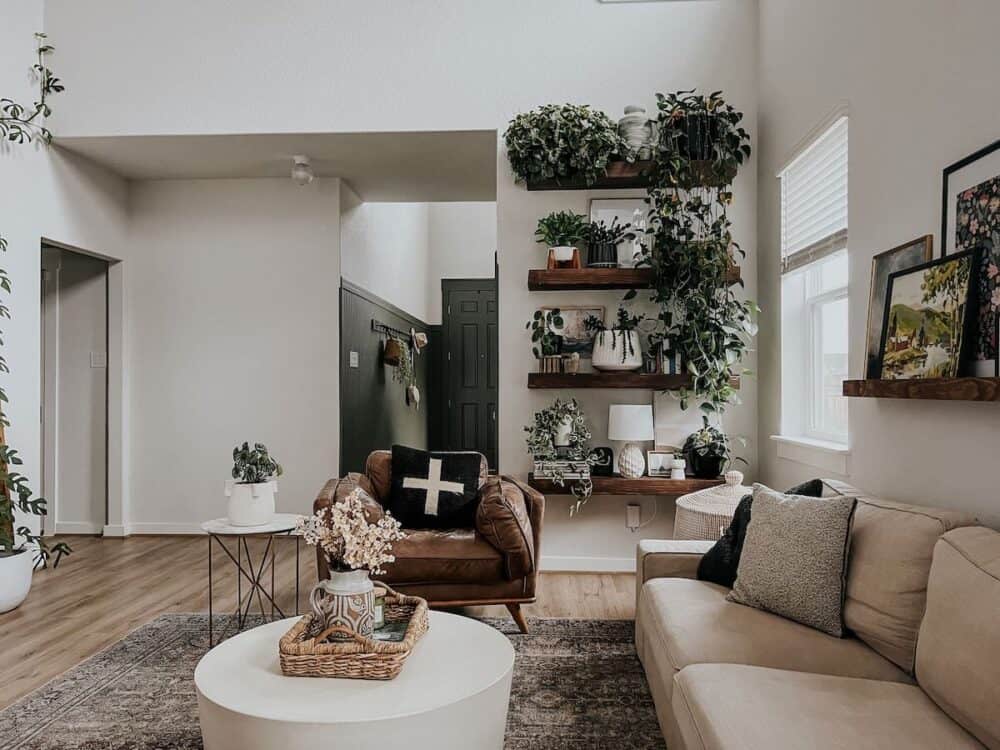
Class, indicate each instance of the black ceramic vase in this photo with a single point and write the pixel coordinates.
(704, 467)
(604, 255)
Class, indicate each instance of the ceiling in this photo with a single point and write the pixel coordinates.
(458, 165)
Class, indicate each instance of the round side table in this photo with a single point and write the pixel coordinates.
(452, 694)
(255, 572)
(707, 513)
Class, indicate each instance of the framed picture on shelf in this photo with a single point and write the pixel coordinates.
(927, 317)
(658, 463)
(899, 258)
(970, 218)
(575, 336)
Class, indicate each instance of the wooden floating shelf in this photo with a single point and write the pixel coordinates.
(937, 389)
(652, 381)
(620, 175)
(597, 279)
(618, 485)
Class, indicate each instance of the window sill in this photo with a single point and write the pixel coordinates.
(822, 454)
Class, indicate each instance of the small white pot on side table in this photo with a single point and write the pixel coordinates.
(452, 694)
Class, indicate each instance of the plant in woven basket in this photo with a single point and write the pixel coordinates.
(562, 141)
(347, 539)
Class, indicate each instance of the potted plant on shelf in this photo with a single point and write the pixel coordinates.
(700, 140)
(564, 142)
(603, 241)
(545, 341)
(621, 350)
(251, 490)
(354, 548)
(557, 440)
(707, 451)
(560, 231)
(21, 549)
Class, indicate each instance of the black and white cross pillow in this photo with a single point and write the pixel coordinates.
(434, 490)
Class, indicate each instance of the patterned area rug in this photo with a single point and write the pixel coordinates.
(577, 685)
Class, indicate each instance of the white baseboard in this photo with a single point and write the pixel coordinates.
(78, 527)
(554, 564)
(115, 530)
(163, 528)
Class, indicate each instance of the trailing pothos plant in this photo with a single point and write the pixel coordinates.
(563, 141)
(541, 433)
(22, 124)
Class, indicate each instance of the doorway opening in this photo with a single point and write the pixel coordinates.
(74, 380)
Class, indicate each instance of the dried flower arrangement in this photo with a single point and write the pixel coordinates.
(348, 540)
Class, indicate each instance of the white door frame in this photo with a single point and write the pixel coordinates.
(117, 514)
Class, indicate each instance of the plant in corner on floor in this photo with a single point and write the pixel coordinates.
(563, 141)
(567, 420)
(22, 124)
(707, 451)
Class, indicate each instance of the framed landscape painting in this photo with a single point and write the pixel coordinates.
(970, 217)
(884, 264)
(575, 336)
(926, 320)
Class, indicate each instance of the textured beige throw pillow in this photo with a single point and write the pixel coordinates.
(794, 559)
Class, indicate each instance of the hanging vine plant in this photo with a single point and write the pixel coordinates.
(564, 417)
(21, 124)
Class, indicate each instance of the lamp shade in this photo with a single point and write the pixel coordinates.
(627, 422)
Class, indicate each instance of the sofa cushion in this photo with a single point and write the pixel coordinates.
(794, 559)
(449, 556)
(728, 706)
(502, 519)
(958, 652)
(434, 490)
(378, 469)
(690, 622)
(890, 560)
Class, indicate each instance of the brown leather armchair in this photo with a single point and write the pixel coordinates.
(494, 563)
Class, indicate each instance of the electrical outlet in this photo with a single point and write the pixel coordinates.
(633, 516)
(353, 359)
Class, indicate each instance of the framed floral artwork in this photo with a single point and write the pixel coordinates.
(884, 264)
(970, 218)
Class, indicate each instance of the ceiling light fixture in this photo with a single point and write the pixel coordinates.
(302, 173)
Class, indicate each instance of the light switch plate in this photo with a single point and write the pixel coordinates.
(98, 359)
(353, 359)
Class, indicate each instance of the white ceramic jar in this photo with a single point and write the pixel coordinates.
(617, 351)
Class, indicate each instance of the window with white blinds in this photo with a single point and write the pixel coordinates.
(814, 200)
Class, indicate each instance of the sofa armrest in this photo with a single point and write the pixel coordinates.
(668, 558)
(502, 519)
(335, 490)
(535, 503)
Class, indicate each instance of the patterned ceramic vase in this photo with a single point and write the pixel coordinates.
(346, 599)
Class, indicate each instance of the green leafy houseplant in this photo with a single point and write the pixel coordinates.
(700, 140)
(254, 465)
(602, 233)
(543, 326)
(563, 142)
(403, 371)
(541, 443)
(561, 229)
(707, 451)
(21, 124)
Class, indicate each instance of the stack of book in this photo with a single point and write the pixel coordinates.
(567, 468)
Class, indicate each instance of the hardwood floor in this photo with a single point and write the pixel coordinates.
(109, 587)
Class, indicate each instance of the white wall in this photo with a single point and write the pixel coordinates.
(44, 193)
(75, 305)
(233, 299)
(917, 78)
(462, 239)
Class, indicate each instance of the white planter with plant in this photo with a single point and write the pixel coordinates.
(618, 348)
(20, 547)
(354, 548)
(251, 490)
(560, 232)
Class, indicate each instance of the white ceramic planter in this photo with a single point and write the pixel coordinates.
(15, 579)
(347, 600)
(563, 253)
(250, 504)
(608, 349)
(563, 430)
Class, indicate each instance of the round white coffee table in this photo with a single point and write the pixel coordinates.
(451, 695)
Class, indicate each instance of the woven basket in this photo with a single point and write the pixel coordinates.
(361, 658)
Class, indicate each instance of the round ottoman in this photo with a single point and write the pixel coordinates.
(706, 514)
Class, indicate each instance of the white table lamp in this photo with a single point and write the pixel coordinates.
(630, 424)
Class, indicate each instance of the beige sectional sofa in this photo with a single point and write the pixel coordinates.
(920, 670)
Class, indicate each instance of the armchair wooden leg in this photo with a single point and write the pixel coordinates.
(518, 615)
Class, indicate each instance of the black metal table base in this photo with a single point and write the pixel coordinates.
(255, 574)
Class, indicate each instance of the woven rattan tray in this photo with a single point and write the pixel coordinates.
(361, 658)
